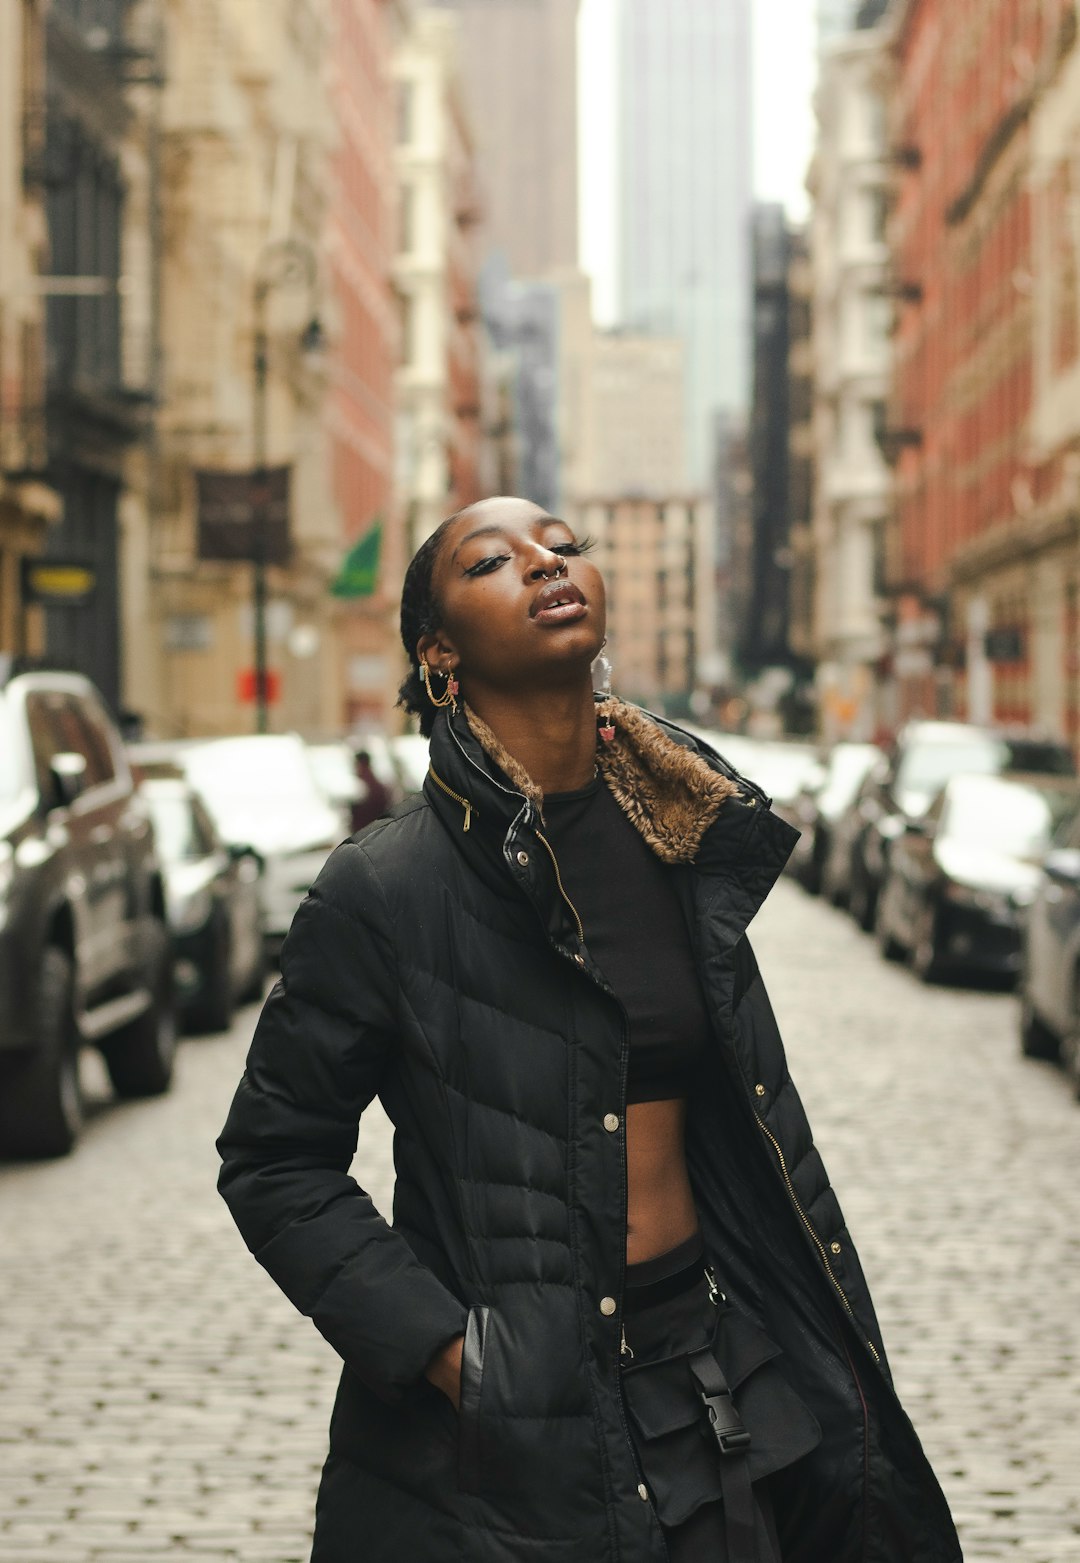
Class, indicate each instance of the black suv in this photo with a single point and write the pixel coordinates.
(84, 952)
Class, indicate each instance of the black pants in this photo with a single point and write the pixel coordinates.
(711, 1413)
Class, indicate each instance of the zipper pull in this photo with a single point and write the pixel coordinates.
(624, 1349)
(468, 814)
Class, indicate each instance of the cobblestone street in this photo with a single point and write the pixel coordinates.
(159, 1398)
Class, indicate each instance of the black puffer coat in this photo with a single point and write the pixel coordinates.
(437, 963)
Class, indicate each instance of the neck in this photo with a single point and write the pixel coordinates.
(551, 733)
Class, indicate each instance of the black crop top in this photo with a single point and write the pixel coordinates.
(636, 933)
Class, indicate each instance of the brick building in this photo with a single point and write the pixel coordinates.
(438, 376)
(360, 246)
(983, 423)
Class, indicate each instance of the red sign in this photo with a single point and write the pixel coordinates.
(247, 686)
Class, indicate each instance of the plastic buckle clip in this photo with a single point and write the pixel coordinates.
(726, 1424)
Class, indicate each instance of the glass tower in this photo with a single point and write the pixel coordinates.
(684, 195)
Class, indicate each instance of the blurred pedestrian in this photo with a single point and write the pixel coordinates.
(618, 1316)
(374, 800)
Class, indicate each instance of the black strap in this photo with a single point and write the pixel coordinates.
(733, 1442)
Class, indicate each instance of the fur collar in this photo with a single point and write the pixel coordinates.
(666, 790)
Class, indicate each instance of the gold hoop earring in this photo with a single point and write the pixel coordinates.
(449, 694)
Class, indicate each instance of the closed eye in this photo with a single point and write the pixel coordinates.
(485, 566)
(570, 550)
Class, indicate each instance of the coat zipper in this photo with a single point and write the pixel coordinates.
(562, 889)
(808, 1224)
(470, 809)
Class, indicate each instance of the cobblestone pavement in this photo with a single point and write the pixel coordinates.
(159, 1399)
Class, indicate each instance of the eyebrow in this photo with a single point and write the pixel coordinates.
(494, 530)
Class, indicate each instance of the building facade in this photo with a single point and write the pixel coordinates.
(28, 502)
(761, 566)
(853, 310)
(438, 381)
(683, 196)
(97, 112)
(247, 131)
(518, 61)
(982, 555)
(361, 218)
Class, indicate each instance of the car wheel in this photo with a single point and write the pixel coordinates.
(213, 1010)
(1036, 1039)
(925, 956)
(41, 1107)
(140, 1056)
(890, 947)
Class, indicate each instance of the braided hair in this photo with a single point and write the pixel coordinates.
(421, 614)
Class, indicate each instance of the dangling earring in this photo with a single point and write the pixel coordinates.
(601, 673)
(449, 694)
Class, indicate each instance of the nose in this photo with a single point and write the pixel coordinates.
(544, 564)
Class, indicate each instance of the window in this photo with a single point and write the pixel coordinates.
(97, 740)
(876, 207)
(406, 112)
(407, 310)
(407, 219)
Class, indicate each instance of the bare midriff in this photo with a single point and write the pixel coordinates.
(660, 1211)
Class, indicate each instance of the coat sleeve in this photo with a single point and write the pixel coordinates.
(325, 1035)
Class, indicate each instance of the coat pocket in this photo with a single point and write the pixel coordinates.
(782, 1427)
(470, 1429)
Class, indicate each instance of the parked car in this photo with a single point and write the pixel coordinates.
(84, 945)
(410, 754)
(262, 794)
(821, 801)
(779, 766)
(924, 757)
(334, 768)
(961, 877)
(212, 901)
(1049, 984)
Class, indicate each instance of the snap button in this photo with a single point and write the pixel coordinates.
(643, 1492)
(611, 1122)
(523, 859)
(607, 1306)
(835, 1247)
(759, 1090)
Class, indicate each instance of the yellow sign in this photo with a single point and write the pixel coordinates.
(47, 581)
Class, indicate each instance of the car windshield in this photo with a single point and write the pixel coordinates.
(1004, 816)
(175, 829)
(926, 767)
(11, 778)
(234, 772)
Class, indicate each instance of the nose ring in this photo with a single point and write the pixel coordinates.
(559, 569)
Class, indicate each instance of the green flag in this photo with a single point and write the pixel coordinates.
(360, 568)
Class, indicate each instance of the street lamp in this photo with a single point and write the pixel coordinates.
(282, 263)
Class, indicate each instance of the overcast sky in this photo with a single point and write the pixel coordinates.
(784, 70)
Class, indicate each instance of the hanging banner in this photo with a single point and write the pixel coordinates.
(242, 515)
(358, 576)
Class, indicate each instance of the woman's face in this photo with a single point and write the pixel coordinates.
(503, 624)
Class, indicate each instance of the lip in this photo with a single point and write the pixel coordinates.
(558, 602)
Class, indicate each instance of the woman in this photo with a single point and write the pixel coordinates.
(618, 1316)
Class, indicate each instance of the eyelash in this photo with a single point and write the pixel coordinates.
(564, 550)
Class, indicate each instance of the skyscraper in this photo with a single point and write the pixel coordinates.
(519, 66)
(684, 194)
